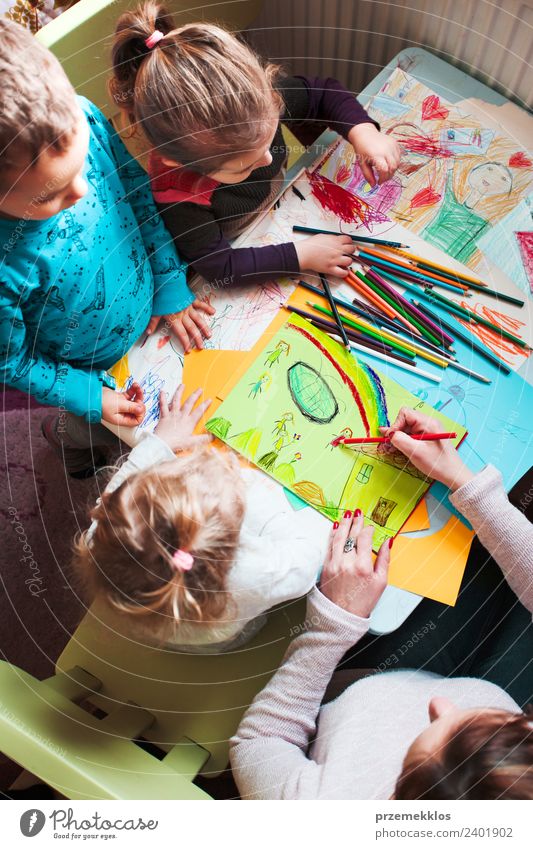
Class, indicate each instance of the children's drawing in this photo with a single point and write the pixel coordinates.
(319, 391)
(156, 363)
(457, 179)
(274, 355)
(507, 350)
(525, 242)
(261, 384)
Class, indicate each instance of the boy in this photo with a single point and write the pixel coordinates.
(84, 259)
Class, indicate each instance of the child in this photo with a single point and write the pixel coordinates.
(85, 260)
(211, 110)
(193, 549)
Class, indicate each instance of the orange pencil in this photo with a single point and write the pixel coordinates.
(411, 267)
(425, 262)
(365, 290)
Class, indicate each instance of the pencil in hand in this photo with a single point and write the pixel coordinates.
(366, 440)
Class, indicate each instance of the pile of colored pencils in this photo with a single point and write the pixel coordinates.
(397, 328)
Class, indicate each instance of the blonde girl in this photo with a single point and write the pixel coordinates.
(190, 549)
(211, 111)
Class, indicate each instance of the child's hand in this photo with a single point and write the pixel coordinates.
(176, 423)
(374, 150)
(437, 459)
(325, 254)
(123, 408)
(352, 580)
(188, 325)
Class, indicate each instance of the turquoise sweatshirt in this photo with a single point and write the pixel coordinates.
(78, 289)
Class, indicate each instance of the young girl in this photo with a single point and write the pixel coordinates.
(211, 110)
(192, 548)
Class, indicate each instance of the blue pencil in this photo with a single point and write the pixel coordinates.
(371, 241)
(412, 275)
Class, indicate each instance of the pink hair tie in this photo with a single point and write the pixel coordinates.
(153, 39)
(182, 560)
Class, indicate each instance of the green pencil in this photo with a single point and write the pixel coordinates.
(458, 310)
(399, 307)
(366, 330)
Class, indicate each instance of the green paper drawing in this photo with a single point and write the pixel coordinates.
(318, 391)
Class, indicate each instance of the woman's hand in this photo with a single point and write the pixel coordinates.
(436, 459)
(325, 254)
(352, 580)
(124, 409)
(374, 151)
(188, 325)
(177, 422)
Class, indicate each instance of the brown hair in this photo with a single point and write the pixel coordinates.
(193, 503)
(37, 102)
(200, 95)
(489, 757)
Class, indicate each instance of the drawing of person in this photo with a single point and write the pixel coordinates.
(457, 227)
(273, 356)
(264, 380)
(280, 431)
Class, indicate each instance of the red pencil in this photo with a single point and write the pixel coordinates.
(425, 437)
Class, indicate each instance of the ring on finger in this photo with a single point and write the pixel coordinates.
(349, 545)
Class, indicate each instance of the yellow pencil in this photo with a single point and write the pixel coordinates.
(459, 274)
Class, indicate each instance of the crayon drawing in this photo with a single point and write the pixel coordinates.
(156, 363)
(317, 391)
(457, 179)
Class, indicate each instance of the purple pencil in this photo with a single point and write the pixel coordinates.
(423, 319)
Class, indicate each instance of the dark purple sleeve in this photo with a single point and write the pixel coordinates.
(227, 266)
(313, 99)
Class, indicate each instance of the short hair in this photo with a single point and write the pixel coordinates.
(490, 756)
(37, 101)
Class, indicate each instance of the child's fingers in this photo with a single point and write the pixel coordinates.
(163, 404)
(366, 170)
(153, 324)
(178, 329)
(198, 412)
(200, 324)
(134, 393)
(175, 403)
(191, 401)
(192, 331)
(204, 306)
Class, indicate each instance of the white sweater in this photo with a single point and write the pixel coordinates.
(280, 553)
(362, 737)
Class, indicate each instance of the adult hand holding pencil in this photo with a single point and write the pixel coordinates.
(436, 458)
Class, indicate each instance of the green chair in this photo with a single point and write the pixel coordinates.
(150, 719)
(81, 37)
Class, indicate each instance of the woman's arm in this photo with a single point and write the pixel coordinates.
(268, 753)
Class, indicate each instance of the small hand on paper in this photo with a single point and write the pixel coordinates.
(177, 422)
(353, 580)
(188, 325)
(437, 459)
(123, 408)
(375, 151)
(325, 254)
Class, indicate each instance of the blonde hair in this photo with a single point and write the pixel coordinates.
(194, 503)
(200, 95)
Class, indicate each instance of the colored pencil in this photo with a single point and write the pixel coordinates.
(422, 261)
(411, 274)
(363, 440)
(410, 267)
(478, 319)
(330, 326)
(431, 328)
(314, 231)
(364, 327)
(369, 314)
(396, 360)
(368, 293)
(334, 310)
(471, 282)
(433, 335)
(401, 314)
(468, 338)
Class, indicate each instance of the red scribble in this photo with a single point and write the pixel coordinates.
(164, 340)
(525, 243)
(520, 160)
(423, 146)
(503, 348)
(344, 377)
(342, 203)
(432, 108)
(343, 174)
(425, 197)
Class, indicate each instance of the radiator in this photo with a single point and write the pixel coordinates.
(353, 39)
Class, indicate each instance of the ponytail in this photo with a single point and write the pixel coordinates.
(199, 94)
